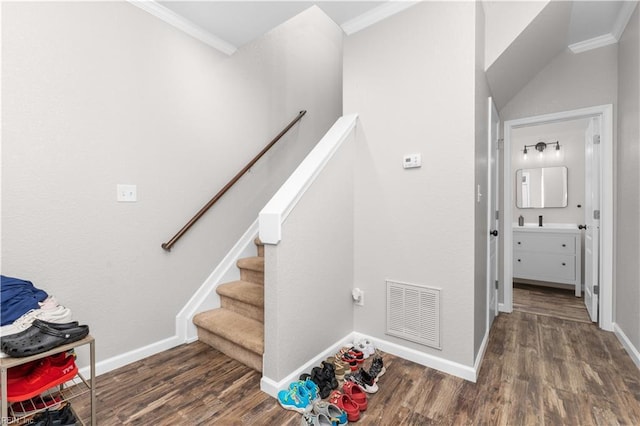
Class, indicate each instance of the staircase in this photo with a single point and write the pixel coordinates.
(237, 327)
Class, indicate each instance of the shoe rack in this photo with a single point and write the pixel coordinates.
(67, 391)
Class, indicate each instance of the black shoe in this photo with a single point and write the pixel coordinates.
(61, 417)
(377, 368)
(45, 339)
(33, 329)
(364, 380)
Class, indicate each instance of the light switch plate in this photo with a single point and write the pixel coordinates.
(127, 193)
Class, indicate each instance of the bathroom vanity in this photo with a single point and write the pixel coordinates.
(549, 253)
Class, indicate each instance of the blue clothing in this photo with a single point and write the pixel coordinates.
(17, 297)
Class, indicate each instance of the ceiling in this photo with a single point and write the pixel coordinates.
(240, 22)
(233, 24)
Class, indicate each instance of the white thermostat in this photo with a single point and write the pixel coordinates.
(412, 161)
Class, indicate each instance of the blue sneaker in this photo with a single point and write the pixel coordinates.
(311, 386)
(296, 398)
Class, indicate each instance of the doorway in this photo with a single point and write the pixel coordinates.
(601, 269)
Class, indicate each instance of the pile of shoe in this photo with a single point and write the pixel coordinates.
(324, 377)
(42, 336)
(303, 396)
(33, 378)
(59, 417)
(344, 379)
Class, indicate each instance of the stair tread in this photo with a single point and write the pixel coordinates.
(255, 263)
(234, 327)
(244, 291)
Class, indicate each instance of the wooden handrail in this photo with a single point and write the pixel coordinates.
(167, 246)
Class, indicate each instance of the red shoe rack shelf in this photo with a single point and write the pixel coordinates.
(66, 392)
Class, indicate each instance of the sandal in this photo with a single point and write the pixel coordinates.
(356, 393)
(33, 329)
(344, 402)
(46, 339)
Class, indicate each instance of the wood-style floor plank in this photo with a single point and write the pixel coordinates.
(537, 370)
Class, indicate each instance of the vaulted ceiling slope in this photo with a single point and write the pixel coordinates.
(578, 26)
(229, 25)
(526, 35)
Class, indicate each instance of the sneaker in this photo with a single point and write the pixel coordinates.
(51, 417)
(345, 403)
(309, 419)
(296, 398)
(314, 391)
(364, 380)
(57, 314)
(49, 372)
(332, 411)
(377, 368)
(19, 372)
(366, 347)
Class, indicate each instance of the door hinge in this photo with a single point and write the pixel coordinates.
(596, 290)
(497, 214)
(500, 144)
(596, 139)
(596, 214)
(497, 284)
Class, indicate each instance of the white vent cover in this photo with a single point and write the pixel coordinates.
(413, 313)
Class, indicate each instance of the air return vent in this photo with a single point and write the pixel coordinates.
(413, 313)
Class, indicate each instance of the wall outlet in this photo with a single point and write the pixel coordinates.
(358, 296)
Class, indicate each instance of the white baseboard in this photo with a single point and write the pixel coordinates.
(628, 346)
(272, 387)
(480, 357)
(121, 360)
(450, 367)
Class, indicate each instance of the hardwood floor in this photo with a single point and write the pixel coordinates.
(537, 370)
(549, 301)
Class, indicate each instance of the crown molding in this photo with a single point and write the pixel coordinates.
(375, 15)
(593, 43)
(185, 25)
(623, 18)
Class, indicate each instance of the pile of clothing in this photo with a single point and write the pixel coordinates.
(32, 322)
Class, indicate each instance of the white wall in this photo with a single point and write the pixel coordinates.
(570, 81)
(481, 169)
(505, 20)
(309, 274)
(411, 79)
(101, 93)
(627, 241)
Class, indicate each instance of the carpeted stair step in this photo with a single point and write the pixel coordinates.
(243, 297)
(252, 269)
(233, 334)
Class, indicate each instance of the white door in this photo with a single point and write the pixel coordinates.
(592, 218)
(492, 213)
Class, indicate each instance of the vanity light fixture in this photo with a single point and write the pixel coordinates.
(541, 146)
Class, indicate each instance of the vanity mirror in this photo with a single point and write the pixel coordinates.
(541, 187)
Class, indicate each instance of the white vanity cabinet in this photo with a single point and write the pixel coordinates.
(549, 254)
